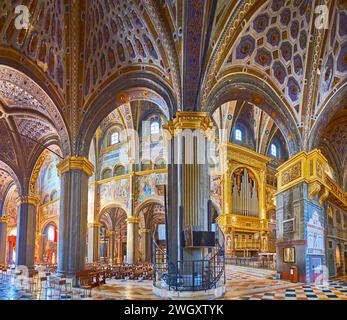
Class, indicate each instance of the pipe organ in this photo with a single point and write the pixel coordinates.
(244, 193)
(244, 184)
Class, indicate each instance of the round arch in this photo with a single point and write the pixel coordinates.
(117, 93)
(11, 172)
(242, 86)
(146, 203)
(113, 204)
(43, 88)
(328, 110)
(48, 223)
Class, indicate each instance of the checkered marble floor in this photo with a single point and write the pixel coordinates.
(334, 290)
(241, 285)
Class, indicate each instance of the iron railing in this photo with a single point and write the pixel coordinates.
(257, 262)
(197, 275)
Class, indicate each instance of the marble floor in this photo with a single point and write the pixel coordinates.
(241, 285)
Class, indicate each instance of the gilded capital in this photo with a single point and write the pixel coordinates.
(4, 219)
(27, 200)
(133, 220)
(144, 230)
(75, 163)
(93, 225)
(189, 120)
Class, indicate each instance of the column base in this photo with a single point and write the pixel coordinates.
(211, 294)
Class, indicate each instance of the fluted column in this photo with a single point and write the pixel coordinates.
(93, 242)
(132, 239)
(26, 230)
(74, 172)
(3, 239)
(189, 180)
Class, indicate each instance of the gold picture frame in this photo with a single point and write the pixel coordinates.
(289, 255)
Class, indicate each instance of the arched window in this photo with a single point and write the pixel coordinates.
(273, 150)
(155, 127)
(114, 138)
(107, 173)
(238, 135)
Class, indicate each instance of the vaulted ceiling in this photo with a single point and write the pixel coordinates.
(77, 57)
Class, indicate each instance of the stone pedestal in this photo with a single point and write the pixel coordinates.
(74, 172)
(26, 231)
(3, 239)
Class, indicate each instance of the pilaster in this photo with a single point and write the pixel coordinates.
(299, 215)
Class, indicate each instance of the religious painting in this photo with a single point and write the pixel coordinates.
(115, 190)
(289, 255)
(150, 185)
(216, 189)
(315, 235)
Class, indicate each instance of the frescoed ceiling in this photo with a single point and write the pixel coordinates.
(78, 56)
(275, 42)
(28, 120)
(44, 42)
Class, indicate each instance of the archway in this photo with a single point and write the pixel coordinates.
(131, 133)
(113, 235)
(50, 244)
(152, 228)
(250, 148)
(249, 88)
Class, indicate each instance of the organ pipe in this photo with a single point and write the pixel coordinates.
(245, 193)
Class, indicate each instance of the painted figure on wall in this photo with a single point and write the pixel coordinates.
(315, 235)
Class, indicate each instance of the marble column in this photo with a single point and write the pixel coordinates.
(132, 239)
(93, 242)
(26, 231)
(188, 180)
(74, 172)
(3, 239)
